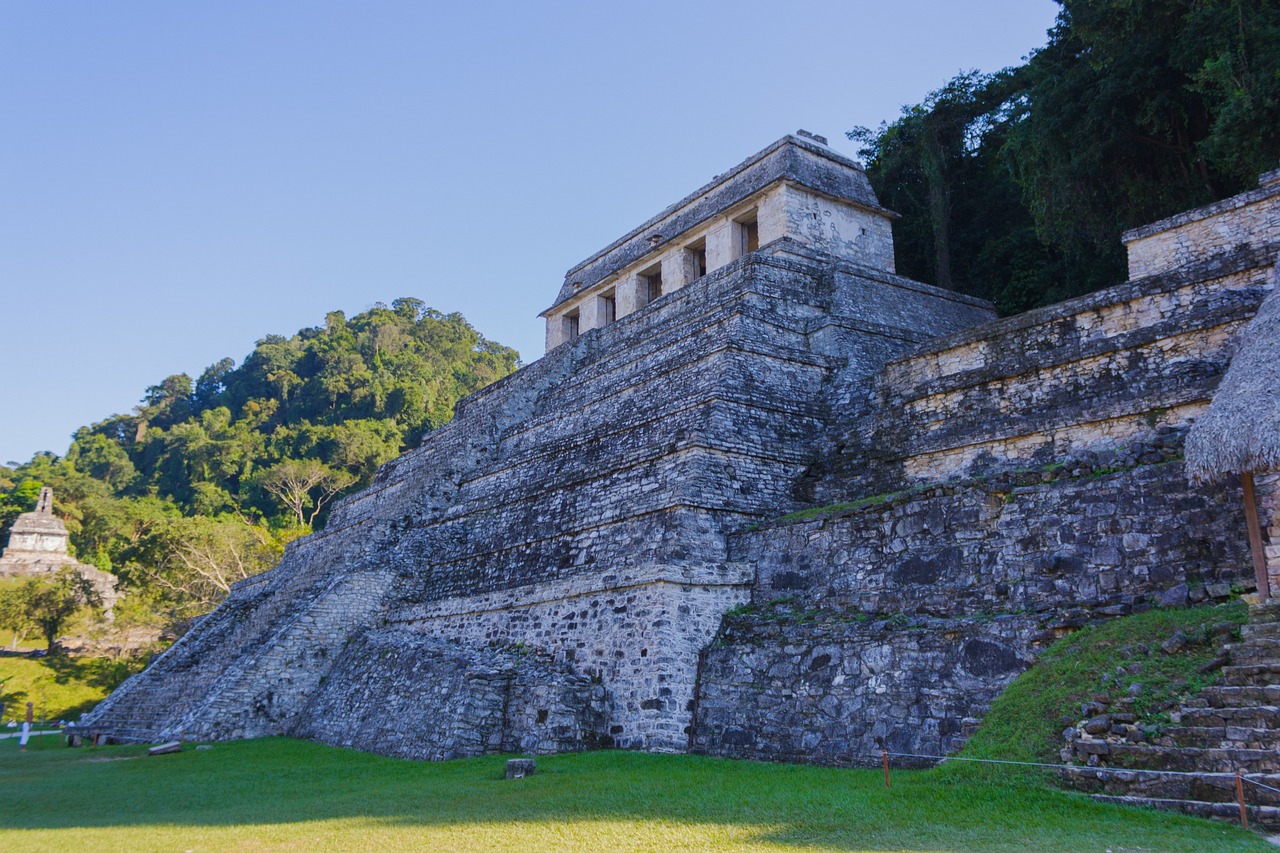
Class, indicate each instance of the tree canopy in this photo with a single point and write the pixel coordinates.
(204, 482)
(1016, 186)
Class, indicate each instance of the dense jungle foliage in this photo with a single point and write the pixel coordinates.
(207, 480)
(1016, 186)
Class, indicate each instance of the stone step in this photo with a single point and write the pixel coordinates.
(1219, 737)
(1188, 759)
(1223, 696)
(1206, 787)
(1257, 650)
(1253, 674)
(1251, 716)
(1260, 630)
(1263, 613)
(1264, 816)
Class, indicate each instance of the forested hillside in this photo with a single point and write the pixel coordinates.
(207, 479)
(1016, 186)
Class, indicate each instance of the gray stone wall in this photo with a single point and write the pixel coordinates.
(897, 622)
(639, 634)
(399, 692)
(1249, 219)
(818, 688)
(1092, 373)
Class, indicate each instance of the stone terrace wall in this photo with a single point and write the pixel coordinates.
(400, 693)
(897, 622)
(1249, 219)
(1095, 372)
(777, 688)
(1097, 534)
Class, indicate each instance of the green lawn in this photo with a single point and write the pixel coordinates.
(279, 794)
(60, 687)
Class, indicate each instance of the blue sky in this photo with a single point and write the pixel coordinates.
(178, 180)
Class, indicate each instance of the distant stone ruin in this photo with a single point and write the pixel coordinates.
(762, 497)
(38, 547)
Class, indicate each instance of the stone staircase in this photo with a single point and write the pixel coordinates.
(1190, 766)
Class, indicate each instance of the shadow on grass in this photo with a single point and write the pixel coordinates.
(279, 785)
(104, 673)
(86, 680)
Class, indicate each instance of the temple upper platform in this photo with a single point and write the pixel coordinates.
(796, 189)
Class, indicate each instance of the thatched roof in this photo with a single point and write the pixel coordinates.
(1241, 430)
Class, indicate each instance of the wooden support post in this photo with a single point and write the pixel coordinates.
(1244, 814)
(1255, 536)
(884, 755)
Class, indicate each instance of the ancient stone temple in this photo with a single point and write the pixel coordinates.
(38, 546)
(761, 497)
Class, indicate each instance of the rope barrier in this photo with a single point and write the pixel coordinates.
(943, 758)
(1239, 777)
(1260, 784)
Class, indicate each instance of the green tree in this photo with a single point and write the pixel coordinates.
(199, 558)
(1017, 186)
(46, 603)
(304, 484)
(14, 615)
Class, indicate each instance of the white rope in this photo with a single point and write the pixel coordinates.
(1259, 784)
(1051, 766)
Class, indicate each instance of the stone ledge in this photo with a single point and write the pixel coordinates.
(1237, 261)
(732, 574)
(1268, 188)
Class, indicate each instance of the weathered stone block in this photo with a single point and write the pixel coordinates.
(518, 768)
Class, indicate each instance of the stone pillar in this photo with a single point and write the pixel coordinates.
(591, 314)
(1267, 487)
(630, 295)
(771, 215)
(721, 245)
(675, 274)
(557, 331)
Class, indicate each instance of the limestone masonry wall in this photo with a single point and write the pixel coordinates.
(1250, 219)
(402, 693)
(1094, 372)
(917, 610)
